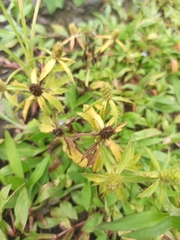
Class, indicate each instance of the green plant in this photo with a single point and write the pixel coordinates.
(95, 154)
(55, 4)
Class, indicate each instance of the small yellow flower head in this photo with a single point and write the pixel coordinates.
(171, 176)
(2, 86)
(35, 89)
(115, 34)
(113, 181)
(57, 50)
(106, 92)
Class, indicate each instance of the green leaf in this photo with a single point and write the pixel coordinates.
(153, 159)
(21, 210)
(135, 221)
(126, 157)
(4, 197)
(38, 172)
(153, 231)
(97, 178)
(176, 87)
(150, 190)
(68, 210)
(44, 192)
(122, 99)
(2, 236)
(53, 5)
(86, 195)
(78, 3)
(59, 29)
(114, 111)
(145, 133)
(175, 222)
(83, 100)
(92, 222)
(13, 156)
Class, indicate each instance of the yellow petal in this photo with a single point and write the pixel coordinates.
(119, 127)
(46, 128)
(48, 67)
(93, 118)
(115, 149)
(121, 45)
(67, 70)
(34, 76)
(53, 101)
(105, 46)
(70, 148)
(27, 104)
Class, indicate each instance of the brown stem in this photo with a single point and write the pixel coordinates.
(70, 229)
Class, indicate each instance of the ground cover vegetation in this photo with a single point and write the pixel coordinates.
(91, 147)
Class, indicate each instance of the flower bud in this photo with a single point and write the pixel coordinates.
(106, 92)
(57, 50)
(170, 176)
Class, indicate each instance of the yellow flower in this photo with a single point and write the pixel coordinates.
(57, 57)
(112, 38)
(103, 137)
(41, 93)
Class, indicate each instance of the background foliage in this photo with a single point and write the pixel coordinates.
(91, 149)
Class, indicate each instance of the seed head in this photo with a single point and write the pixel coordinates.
(106, 92)
(113, 181)
(57, 50)
(170, 176)
(106, 132)
(35, 89)
(58, 132)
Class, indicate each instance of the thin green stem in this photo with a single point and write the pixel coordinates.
(33, 26)
(9, 19)
(12, 55)
(24, 26)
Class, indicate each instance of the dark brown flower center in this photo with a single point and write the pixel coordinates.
(58, 132)
(35, 89)
(106, 132)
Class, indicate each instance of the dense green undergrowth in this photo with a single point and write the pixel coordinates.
(95, 113)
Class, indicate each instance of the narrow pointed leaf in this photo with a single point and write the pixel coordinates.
(3, 197)
(153, 159)
(126, 157)
(86, 195)
(21, 210)
(114, 111)
(151, 232)
(38, 172)
(135, 221)
(13, 156)
(150, 190)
